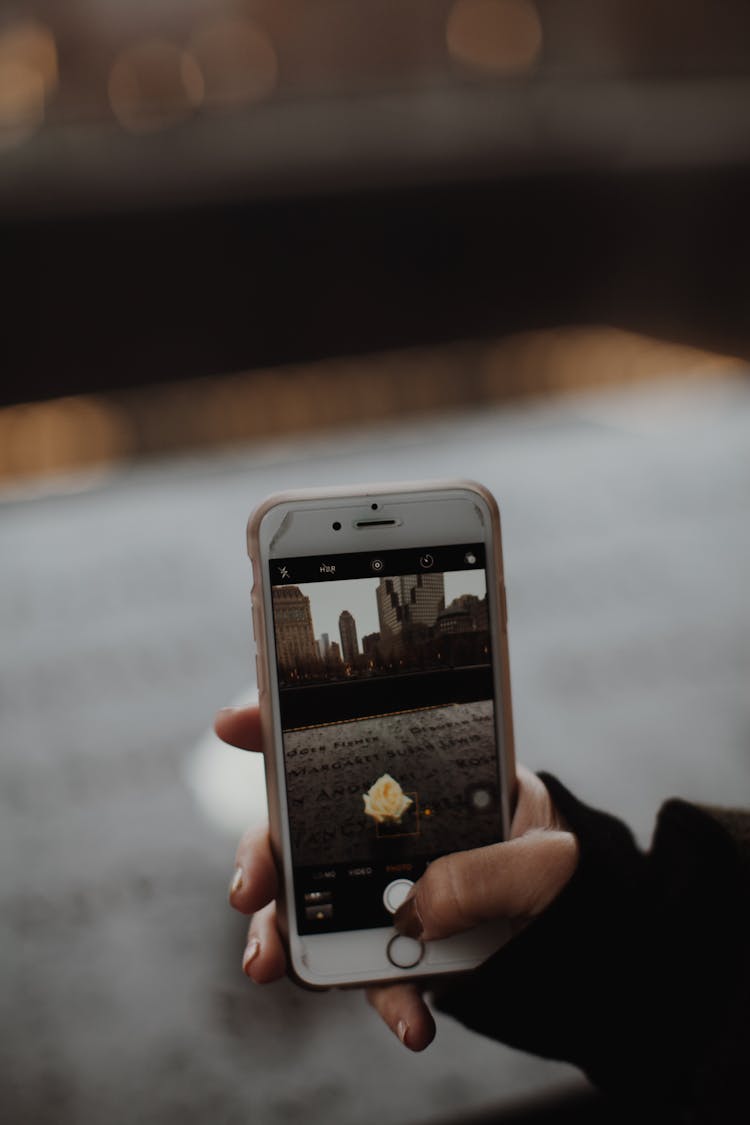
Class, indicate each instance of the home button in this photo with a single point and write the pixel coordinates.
(404, 952)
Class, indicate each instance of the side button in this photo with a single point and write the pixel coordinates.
(503, 608)
(259, 678)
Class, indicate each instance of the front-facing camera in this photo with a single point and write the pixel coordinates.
(336, 526)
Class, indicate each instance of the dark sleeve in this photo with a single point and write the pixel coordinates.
(639, 971)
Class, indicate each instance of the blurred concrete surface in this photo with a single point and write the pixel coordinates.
(124, 623)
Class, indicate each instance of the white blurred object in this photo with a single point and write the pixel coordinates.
(229, 785)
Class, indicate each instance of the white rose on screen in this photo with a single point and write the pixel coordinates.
(385, 800)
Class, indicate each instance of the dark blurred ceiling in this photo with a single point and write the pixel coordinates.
(194, 188)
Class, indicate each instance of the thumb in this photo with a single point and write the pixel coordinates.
(516, 879)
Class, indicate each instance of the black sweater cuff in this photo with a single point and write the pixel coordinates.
(631, 972)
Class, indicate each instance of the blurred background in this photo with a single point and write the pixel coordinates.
(250, 245)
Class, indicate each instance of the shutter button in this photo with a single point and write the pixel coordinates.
(395, 894)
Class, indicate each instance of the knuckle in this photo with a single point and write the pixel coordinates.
(556, 864)
(534, 808)
(568, 854)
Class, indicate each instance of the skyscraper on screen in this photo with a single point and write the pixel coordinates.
(348, 632)
(293, 626)
(409, 600)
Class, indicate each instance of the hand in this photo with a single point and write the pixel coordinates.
(516, 879)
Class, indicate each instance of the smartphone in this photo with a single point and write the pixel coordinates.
(382, 660)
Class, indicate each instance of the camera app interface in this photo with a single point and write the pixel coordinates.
(387, 712)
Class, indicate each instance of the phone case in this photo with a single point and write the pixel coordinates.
(264, 672)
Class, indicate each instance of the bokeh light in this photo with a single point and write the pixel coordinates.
(84, 431)
(237, 60)
(28, 74)
(62, 435)
(31, 44)
(153, 85)
(501, 37)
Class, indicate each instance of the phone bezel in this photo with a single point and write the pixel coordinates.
(426, 513)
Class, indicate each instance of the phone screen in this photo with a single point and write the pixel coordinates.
(388, 720)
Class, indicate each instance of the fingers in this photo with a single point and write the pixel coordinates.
(252, 891)
(402, 1007)
(239, 726)
(264, 959)
(517, 879)
(254, 883)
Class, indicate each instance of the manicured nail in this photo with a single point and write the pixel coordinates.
(252, 951)
(406, 919)
(236, 883)
(402, 1030)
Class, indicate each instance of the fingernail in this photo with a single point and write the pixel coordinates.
(402, 1030)
(226, 711)
(251, 952)
(236, 883)
(406, 919)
